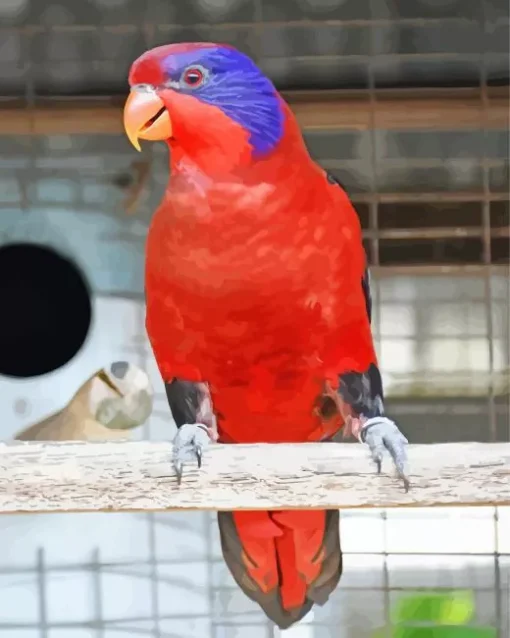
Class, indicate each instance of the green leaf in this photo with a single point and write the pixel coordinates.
(452, 631)
(440, 608)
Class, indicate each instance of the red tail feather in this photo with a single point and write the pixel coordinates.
(286, 560)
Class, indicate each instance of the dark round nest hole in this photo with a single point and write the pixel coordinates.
(45, 310)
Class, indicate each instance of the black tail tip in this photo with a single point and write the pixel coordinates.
(285, 618)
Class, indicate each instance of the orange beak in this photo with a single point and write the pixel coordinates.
(146, 118)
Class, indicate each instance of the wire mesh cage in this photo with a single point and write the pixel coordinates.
(406, 103)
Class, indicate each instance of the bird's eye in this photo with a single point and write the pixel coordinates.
(193, 77)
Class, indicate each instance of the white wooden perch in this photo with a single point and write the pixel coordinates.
(127, 476)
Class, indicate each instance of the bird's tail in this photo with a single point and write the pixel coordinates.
(286, 561)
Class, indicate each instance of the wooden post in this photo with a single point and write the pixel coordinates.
(454, 109)
(137, 476)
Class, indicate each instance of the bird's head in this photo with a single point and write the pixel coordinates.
(120, 396)
(207, 101)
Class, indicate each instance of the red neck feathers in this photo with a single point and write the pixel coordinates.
(224, 211)
(208, 141)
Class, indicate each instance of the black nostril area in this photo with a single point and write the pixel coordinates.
(119, 369)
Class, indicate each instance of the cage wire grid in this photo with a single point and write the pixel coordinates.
(244, 621)
(299, 46)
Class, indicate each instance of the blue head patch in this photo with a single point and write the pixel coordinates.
(232, 82)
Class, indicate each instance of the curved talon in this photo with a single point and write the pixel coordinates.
(178, 466)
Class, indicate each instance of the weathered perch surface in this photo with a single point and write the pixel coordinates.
(123, 476)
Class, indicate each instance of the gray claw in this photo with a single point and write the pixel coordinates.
(380, 434)
(189, 444)
(178, 466)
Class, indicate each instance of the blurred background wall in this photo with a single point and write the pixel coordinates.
(406, 102)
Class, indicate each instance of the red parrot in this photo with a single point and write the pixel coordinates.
(258, 302)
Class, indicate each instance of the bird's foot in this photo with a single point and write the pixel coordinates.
(380, 434)
(189, 443)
